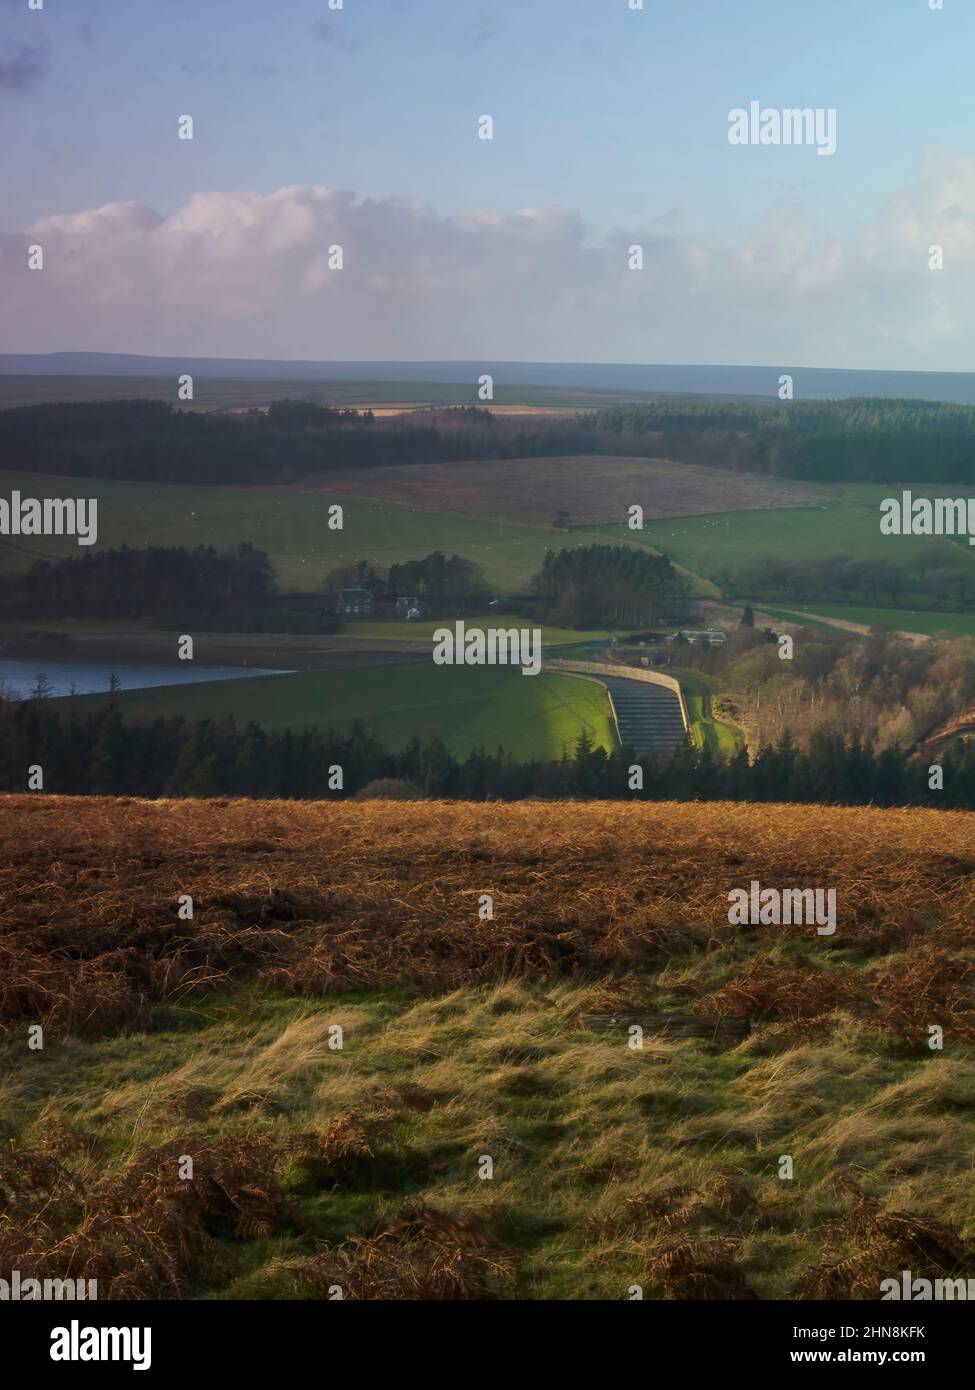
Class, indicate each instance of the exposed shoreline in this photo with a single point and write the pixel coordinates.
(297, 651)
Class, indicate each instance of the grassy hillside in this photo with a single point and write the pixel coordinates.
(469, 707)
(707, 731)
(847, 520)
(590, 488)
(928, 622)
(291, 524)
(364, 1165)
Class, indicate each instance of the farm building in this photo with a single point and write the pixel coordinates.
(354, 602)
(410, 607)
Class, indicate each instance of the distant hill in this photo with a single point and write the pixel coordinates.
(812, 383)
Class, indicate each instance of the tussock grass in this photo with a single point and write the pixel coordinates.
(316, 1167)
(612, 1167)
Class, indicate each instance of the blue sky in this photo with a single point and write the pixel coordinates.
(617, 117)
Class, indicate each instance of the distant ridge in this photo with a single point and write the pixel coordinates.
(812, 383)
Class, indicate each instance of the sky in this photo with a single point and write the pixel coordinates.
(358, 127)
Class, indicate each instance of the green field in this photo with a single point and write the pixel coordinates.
(846, 522)
(707, 731)
(469, 707)
(927, 621)
(790, 618)
(291, 524)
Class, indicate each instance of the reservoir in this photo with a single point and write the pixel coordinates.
(18, 678)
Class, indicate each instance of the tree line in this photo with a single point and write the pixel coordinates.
(943, 577)
(152, 441)
(154, 581)
(436, 577)
(587, 585)
(98, 752)
(200, 584)
(862, 439)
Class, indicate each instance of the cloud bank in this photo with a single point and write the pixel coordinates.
(247, 274)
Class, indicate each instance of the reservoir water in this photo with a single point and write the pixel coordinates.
(18, 678)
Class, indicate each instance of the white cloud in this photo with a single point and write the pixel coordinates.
(246, 274)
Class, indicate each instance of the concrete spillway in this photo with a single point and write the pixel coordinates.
(649, 715)
(649, 705)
